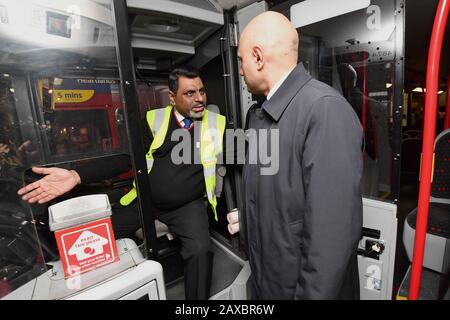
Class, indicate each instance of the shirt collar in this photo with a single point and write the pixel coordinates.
(278, 84)
(296, 79)
(180, 118)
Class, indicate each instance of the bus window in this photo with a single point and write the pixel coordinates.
(152, 94)
(21, 258)
(60, 104)
(82, 116)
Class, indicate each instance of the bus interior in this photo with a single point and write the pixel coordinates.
(77, 77)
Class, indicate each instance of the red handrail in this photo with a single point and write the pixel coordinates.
(429, 131)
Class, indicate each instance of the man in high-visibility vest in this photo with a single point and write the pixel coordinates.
(181, 183)
(177, 190)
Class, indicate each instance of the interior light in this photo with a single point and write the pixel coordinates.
(419, 89)
(163, 26)
(312, 11)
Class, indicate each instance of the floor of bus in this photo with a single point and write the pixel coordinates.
(225, 271)
(430, 280)
(409, 191)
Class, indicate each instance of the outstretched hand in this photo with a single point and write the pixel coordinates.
(56, 182)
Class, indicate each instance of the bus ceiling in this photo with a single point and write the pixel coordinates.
(160, 30)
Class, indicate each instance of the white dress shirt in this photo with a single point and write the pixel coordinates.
(180, 118)
(278, 84)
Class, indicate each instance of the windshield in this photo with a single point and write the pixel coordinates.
(60, 105)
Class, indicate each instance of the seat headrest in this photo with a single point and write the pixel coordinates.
(440, 187)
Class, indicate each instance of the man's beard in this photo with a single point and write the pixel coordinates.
(197, 115)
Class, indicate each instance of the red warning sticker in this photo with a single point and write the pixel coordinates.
(86, 247)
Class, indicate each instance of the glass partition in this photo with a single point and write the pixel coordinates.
(60, 103)
(356, 54)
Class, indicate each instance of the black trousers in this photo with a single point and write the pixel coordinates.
(190, 224)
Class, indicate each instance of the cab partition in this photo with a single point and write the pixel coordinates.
(63, 104)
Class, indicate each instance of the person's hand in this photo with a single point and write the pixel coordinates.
(3, 148)
(56, 182)
(233, 221)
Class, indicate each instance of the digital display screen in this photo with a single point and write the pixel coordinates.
(58, 24)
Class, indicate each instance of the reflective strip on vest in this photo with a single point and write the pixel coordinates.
(209, 171)
(158, 126)
(211, 138)
(158, 122)
(216, 129)
(211, 135)
(155, 121)
(149, 164)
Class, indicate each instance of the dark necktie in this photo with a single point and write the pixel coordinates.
(187, 123)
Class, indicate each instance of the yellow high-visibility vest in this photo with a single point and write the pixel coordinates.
(211, 136)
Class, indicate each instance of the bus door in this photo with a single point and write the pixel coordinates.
(60, 105)
(358, 49)
(195, 36)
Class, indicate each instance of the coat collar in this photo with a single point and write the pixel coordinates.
(286, 92)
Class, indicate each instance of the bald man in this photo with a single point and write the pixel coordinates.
(303, 221)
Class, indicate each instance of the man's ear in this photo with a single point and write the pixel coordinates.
(171, 97)
(258, 57)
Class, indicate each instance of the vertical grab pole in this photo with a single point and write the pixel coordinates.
(429, 132)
